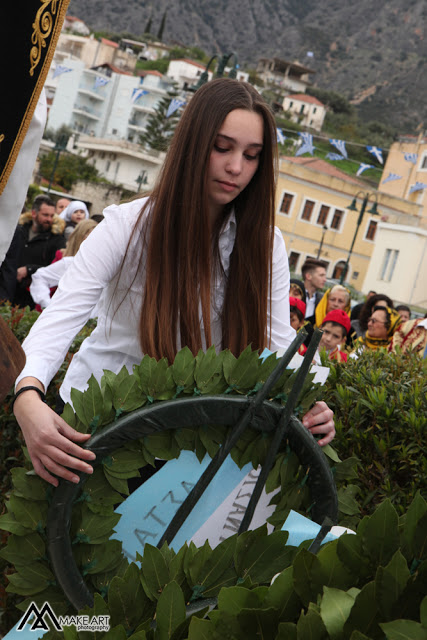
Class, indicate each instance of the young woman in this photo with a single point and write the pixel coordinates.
(197, 263)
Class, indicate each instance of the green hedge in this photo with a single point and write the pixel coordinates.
(380, 405)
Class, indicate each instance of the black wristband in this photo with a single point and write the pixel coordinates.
(28, 388)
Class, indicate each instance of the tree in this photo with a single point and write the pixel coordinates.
(70, 168)
(160, 128)
(162, 26)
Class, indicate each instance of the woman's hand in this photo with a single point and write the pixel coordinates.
(320, 419)
(51, 441)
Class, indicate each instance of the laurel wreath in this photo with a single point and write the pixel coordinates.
(250, 558)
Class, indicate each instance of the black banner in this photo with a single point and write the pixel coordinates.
(30, 33)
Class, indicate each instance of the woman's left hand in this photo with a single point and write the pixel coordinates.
(320, 420)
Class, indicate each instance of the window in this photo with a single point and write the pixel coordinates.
(293, 260)
(323, 214)
(338, 270)
(302, 109)
(308, 210)
(286, 203)
(371, 230)
(424, 162)
(337, 219)
(389, 264)
(314, 110)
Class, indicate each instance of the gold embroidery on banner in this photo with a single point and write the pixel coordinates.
(42, 29)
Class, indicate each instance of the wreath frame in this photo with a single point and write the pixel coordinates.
(237, 379)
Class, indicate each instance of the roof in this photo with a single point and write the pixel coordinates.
(110, 43)
(281, 65)
(303, 97)
(322, 166)
(150, 72)
(113, 68)
(196, 64)
(73, 19)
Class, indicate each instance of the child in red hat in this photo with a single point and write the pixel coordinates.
(335, 327)
(297, 316)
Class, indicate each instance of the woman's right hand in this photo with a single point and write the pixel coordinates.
(51, 442)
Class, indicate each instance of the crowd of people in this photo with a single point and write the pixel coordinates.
(197, 262)
(43, 245)
(347, 330)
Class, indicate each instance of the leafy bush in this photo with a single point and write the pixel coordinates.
(380, 406)
(11, 454)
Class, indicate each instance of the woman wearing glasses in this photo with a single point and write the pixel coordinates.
(382, 324)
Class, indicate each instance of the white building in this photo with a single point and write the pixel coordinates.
(122, 162)
(105, 103)
(399, 264)
(290, 76)
(186, 73)
(306, 110)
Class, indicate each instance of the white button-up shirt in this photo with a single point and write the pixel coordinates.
(114, 343)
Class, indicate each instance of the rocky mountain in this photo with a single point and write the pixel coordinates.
(374, 53)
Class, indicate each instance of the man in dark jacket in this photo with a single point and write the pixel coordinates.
(42, 237)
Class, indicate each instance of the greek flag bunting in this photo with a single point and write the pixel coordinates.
(418, 186)
(391, 177)
(60, 69)
(334, 156)
(411, 157)
(307, 144)
(377, 153)
(340, 145)
(100, 81)
(174, 105)
(363, 167)
(280, 137)
(138, 93)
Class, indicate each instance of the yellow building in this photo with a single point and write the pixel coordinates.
(405, 171)
(313, 199)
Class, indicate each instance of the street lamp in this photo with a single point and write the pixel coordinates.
(141, 179)
(222, 62)
(373, 211)
(61, 145)
(325, 228)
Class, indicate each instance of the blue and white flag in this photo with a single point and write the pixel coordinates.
(280, 137)
(363, 167)
(138, 93)
(334, 156)
(307, 144)
(391, 177)
(418, 186)
(60, 69)
(377, 153)
(174, 105)
(411, 157)
(340, 145)
(100, 81)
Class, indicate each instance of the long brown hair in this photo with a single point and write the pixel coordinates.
(80, 233)
(179, 258)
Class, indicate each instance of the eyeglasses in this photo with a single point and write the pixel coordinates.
(375, 321)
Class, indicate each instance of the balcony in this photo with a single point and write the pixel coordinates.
(86, 112)
(92, 93)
